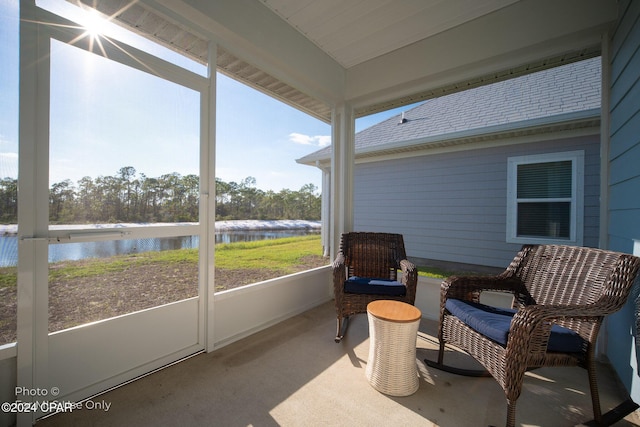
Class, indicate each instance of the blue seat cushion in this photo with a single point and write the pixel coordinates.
(494, 323)
(365, 285)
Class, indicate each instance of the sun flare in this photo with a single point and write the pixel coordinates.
(95, 26)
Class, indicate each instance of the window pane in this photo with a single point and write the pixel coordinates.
(124, 149)
(8, 286)
(124, 143)
(544, 180)
(258, 181)
(97, 280)
(544, 219)
(9, 18)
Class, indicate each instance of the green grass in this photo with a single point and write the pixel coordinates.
(438, 273)
(434, 273)
(274, 254)
(8, 277)
(101, 266)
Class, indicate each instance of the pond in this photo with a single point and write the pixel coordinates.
(105, 248)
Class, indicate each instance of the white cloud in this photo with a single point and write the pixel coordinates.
(318, 140)
(324, 140)
(299, 138)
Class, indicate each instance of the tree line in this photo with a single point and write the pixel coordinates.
(129, 196)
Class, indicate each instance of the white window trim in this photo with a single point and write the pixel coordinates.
(577, 199)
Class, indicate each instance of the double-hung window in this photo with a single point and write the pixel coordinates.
(545, 198)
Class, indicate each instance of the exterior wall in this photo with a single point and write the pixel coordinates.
(453, 206)
(624, 179)
(625, 131)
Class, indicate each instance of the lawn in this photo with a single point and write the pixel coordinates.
(98, 288)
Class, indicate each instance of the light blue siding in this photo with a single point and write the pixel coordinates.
(453, 206)
(624, 159)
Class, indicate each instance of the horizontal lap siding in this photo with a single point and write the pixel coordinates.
(624, 182)
(452, 206)
(624, 190)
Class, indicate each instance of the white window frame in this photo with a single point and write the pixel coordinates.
(577, 197)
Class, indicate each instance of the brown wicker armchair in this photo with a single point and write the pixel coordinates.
(561, 295)
(366, 269)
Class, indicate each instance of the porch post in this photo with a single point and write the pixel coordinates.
(325, 231)
(33, 215)
(342, 165)
(208, 204)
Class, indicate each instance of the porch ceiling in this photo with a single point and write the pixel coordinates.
(354, 31)
(353, 34)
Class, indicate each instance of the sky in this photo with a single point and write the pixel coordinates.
(105, 116)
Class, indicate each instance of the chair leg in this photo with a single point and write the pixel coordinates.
(343, 322)
(511, 413)
(593, 385)
(452, 369)
(441, 353)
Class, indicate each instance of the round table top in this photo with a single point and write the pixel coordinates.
(394, 311)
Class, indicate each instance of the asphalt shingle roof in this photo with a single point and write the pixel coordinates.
(557, 91)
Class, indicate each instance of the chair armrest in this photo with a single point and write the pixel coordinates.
(338, 262)
(409, 279)
(531, 325)
(469, 288)
(339, 273)
(604, 306)
(409, 273)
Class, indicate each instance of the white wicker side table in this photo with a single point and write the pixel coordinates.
(393, 330)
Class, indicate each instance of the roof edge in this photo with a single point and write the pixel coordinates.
(560, 122)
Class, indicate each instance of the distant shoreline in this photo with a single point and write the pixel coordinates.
(8, 230)
(284, 224)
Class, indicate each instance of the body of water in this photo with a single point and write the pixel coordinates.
(106, 248)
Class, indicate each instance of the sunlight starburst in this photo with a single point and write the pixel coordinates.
(94, 25)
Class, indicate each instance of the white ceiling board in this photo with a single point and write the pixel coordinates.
(354, 31)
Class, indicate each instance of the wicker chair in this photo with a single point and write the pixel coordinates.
(560, 297)
(366, 269)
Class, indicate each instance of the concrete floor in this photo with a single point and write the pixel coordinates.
(294, 374)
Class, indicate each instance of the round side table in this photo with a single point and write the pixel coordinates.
(393, 329)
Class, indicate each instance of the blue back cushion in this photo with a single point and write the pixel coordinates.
(365, 285)
(494, 323)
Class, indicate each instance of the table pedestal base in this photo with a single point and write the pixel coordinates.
(391, 367)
